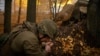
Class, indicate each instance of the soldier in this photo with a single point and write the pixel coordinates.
(31, 38)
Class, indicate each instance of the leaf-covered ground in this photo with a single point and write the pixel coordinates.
(71, 41)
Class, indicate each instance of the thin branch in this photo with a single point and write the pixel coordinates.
(19, 13)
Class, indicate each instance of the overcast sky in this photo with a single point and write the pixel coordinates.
(2, 5)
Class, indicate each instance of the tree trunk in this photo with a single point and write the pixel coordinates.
(19, 12)
(31, 11)
(7, 16)
(93, 20)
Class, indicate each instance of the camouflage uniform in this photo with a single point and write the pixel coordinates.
(27, 43)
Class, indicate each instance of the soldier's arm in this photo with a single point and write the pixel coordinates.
(32, 48)
(27, 43)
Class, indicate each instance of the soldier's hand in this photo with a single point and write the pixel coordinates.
(48, 46)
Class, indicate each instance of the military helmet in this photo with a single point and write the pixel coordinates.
(48, 27)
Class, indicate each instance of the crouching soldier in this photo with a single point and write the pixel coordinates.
(30, 39)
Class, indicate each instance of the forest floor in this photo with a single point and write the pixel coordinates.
(74, 40)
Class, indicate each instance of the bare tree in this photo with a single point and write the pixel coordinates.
(19, 13)
(93, 21)
(7, 16)
(31, 11)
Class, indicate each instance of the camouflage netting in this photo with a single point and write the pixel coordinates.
(71, 42)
